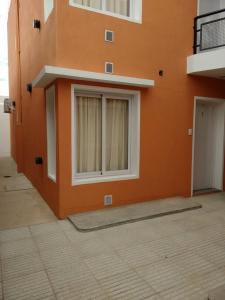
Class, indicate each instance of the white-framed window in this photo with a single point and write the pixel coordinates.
(48, 8)
(125, 9)
(51, 132)
(105, 134)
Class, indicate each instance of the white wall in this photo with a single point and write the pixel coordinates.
(206, 6)
(4, 131)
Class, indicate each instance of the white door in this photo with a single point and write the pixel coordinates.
(209, 145)
(218, 146)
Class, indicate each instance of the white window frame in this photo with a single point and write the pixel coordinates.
(135, 10)
(48, 8)
(133, 135)
(51, 132)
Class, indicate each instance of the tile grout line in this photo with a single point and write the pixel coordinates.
(83, 261)
(44, 268)
(1, 270)
(18, 190)
(129, 268)
(141, 278)
(162, 259)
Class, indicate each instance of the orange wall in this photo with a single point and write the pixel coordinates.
(29, 132)
(74, 38)
(163, 41)
(14, 80)
(166, 148)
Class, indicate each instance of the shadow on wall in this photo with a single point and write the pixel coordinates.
(4, 131)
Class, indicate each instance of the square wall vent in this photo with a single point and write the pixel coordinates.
(109, 36)
(109, 67)
(107, 200)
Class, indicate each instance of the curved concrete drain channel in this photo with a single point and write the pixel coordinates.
(110, 217)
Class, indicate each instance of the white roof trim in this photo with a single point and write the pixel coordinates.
(49, 73)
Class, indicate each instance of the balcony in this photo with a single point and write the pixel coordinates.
(208, 57)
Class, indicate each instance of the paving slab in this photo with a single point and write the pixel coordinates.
(110, 217)
(106, 265)
(23, 208)
(8, 166)
(217, 294)
(14, 234)
(35, 286)
(20, 203)
(15, 248)
(184, 292)
(127, 286)
(211, 282)
(75, 282)
(21, 265)
(17, 182)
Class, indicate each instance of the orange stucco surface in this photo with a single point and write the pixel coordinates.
(74, 38)
(28, 130)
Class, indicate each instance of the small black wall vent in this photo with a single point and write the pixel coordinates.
(109, 36)
(38, 160)
(37, 24)
(109, 67)
(29, 87)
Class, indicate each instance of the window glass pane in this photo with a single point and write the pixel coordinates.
(89, 134)
(120, 7)
(90, 3)
(117, 134)
(51, 131)
(48, 7)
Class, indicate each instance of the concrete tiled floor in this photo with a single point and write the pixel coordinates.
(155, 259)
(20, 203)
(176, 257)
(217, 293)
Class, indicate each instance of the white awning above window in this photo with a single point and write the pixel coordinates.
(50, 73)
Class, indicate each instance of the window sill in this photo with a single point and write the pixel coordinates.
(130, 19)
(82, 181)
(52, 177)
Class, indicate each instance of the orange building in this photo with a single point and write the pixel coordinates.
(112, 105)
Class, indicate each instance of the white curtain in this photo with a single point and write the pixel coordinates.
(117, 134)
(118, 6)
(90, 3)
(89, 134)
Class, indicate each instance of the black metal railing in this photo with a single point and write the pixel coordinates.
(209, 31)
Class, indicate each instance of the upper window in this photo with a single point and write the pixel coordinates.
(128, 9)
(106, 134)
(48, 7)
